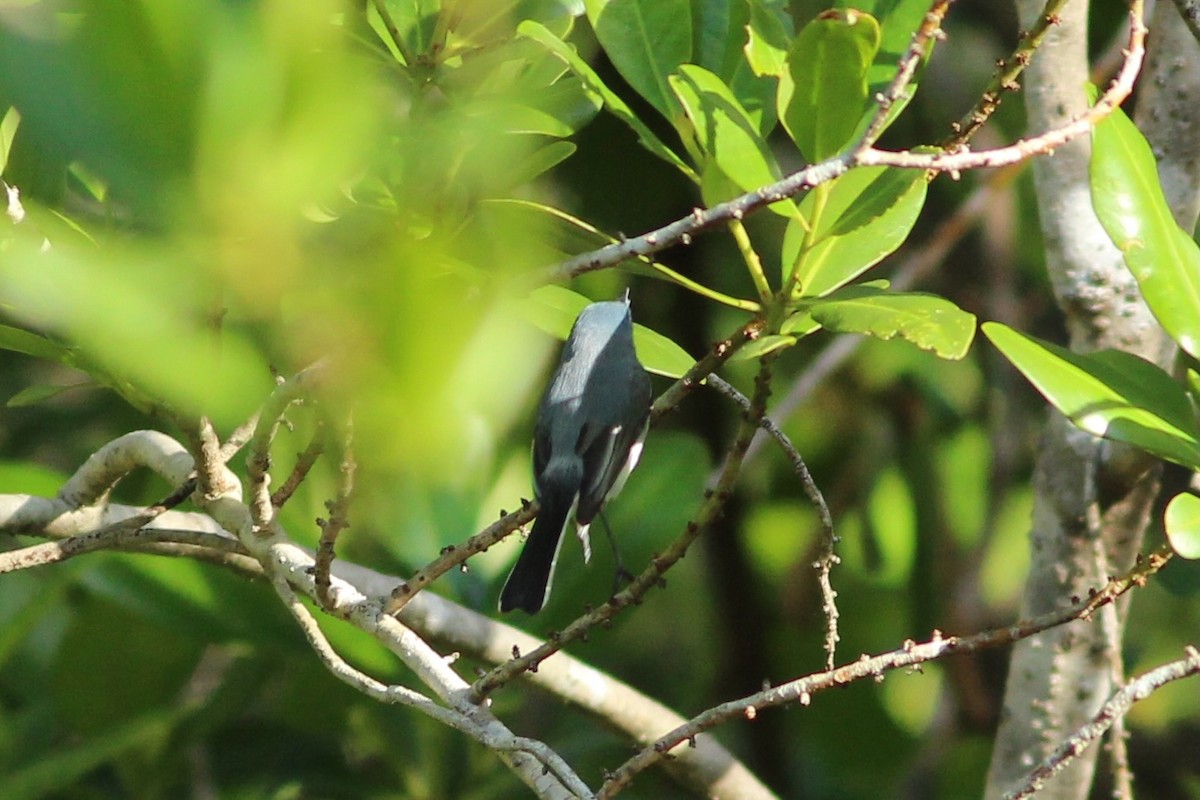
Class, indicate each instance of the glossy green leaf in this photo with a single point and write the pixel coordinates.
(554, 309)
(720, 41)
(768, 37)
(539, 161)
(724, 135)
(823, 94)
(864, 216)
(930, 322)
(8, 131)
(38, 393)
(763, 345)
(1108, 393)
(718, 35)
(408, 21)
(800, 324)
(31, 344)
(646, 40)
(1129, 201)
(611, 100)
(1181, 521)
(660, 355)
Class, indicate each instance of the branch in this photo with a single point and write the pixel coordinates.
(339, 516)
(491, 736)
(910, 654)
(1110, 713)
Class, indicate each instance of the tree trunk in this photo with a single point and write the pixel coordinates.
(1093, 498)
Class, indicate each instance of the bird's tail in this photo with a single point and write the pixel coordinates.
(528, 584)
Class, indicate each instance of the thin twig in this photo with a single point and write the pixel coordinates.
(304, 464)
(401, 695)
(339, 517)
(1006, 78)
(239, 437)
(1116, 708)
(929, 31)
(130, 534)
(910, 654)
(828, 558)
(258, 459)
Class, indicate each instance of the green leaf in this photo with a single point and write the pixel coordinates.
(8, 131)
(899, 20)
(31, 344)
(800, 324)
(719, 41)
(763, 345)
(930, 322)
(864, 216)
(646, 40)
(1108, 393)
(553, 309)
(611, 100)
(32, 395)
(823, 94)
(718, 35)
(725, 136)
(539, 161)
(411, 21)
(660, 355)
(1182, 524)
(768, 37)
(1129, 201)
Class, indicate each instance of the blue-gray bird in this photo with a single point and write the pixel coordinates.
(588, 437)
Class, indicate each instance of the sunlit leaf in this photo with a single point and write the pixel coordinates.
(724, 133)
(37, 393)
(930, 322)
(1129, 201)
(1108, 393)
(1182, 524)
(763, 345)
(611, 100)
(8, 130)
(864, 216)
(31, 344)
(823, 93)
(768, 38)
(646, 40)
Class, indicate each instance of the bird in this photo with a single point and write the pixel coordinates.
(591, 424)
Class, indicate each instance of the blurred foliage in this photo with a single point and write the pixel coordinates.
(216, 192)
